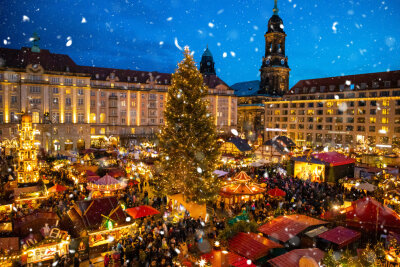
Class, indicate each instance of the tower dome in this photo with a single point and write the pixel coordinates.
(207, 63)
(275, 24)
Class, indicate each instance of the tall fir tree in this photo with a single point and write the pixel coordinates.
(188, 146)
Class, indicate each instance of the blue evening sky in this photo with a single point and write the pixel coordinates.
(324, 37)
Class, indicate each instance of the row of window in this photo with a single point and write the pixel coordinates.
(383, 120)
(348, 85)
(340, 111)
(329, 104)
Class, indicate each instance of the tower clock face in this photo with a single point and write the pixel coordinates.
(208, 63)
(268, 61)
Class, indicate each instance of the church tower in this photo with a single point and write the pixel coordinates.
(207, 63)
(274, 69)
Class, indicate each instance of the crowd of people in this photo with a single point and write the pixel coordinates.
(158, 242)
(302, 196)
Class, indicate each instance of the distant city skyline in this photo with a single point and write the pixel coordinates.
(329, 39)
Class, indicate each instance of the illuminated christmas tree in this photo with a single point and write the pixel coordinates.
(27, 168)
(188, 142)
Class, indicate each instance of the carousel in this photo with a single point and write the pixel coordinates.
(241, 189)
(105, 186)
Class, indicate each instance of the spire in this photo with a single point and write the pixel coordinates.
(276, 10)
(35, 39)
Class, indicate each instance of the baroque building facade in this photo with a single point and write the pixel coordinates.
(274, 81)
(75, 107)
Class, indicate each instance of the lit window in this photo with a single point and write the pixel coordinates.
(35, 117)
(385, 120)
(102, 117)
(329, 104)
(385, 103)
(310, 112)
(372, 120)
(102, 131)
(385, 111)
(92, 130)
(92, 118)
(329, 112)
(277, 112)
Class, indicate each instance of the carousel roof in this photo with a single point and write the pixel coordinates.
(106, 180)
(241, 177)
(242, 189)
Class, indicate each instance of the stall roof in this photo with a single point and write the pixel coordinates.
(233, 259)
(251, 247)
(292, 258)
(91, 211)
(334, 158)
(367, 212)
(327, 158)
(340, 235)
(240, 143)
(285, 227)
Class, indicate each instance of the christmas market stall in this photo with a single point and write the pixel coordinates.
(287, 229)
(311, 257)
(276, 149)
(240, 189)
(323, 167)
(254, 247)
(102, 219)
(235, 146)
(105, 186)
(370, 215)
(55, 242)
(223, 258)
(9, 250)
(338, 238)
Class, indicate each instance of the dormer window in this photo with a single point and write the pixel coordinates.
(135, 79)
(375, 84)
(67, 68)
(322, 88)
(331, 88)
(97, 76)
(165, 81)
(129, 78)
(387, 83)
(112, 75)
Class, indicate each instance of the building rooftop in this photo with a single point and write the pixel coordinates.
(51, 62)
(378, 80)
